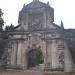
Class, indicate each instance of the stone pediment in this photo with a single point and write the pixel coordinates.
(52, 28)
(35, 4)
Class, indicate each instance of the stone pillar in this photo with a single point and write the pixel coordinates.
(60, 54)
(26, 26)
(24, 21)
(43, 48)
(13, 53)
(24, 55)
(49, 56)
(68, 60)
(53, 52)
(19, 53)
(9, 53)
(44, 22)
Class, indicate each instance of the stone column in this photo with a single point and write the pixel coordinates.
(53, 52)
(44, 22)
(19, 53)
(49, 56)
(13, 53)
(24, 54)
(43, 48)
(68, 60)
(26, 26)
(9, 53)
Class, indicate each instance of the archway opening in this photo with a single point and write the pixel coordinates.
(34, 58)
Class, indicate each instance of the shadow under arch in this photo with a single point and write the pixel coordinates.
(34, 58)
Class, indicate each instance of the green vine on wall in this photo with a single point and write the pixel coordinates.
(40, 58)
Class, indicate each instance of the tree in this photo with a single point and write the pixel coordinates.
(40, 58)
(9, 28)
(3, 42)
(1, 20)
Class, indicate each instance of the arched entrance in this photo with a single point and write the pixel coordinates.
(34, 58)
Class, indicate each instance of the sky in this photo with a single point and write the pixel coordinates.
(64, 10)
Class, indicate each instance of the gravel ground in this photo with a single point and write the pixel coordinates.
(31, 72)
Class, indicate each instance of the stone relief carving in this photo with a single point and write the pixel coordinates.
(61, 59)
(35, 21)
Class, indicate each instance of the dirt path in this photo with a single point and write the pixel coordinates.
(18, 72)
(31, 72)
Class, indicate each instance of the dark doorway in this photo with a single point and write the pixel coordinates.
(34, 57)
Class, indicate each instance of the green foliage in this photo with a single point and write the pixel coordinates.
(1, 13)
(1, 20)
(9, 28)
(40, 58)
(3, 43)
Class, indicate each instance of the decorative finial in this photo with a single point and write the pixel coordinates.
(48, 2)
(24, 5)
(35, 0)
(62, 25)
